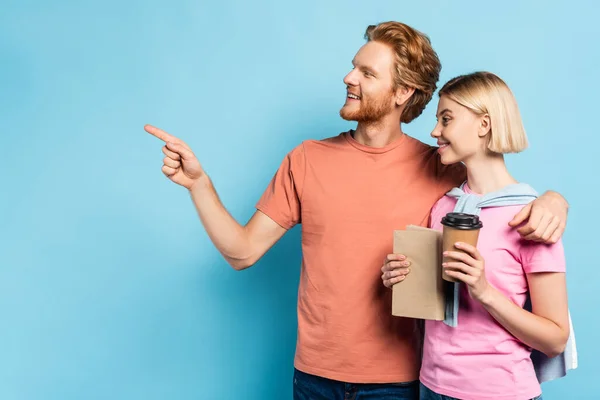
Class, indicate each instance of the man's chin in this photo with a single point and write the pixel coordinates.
(349, 116)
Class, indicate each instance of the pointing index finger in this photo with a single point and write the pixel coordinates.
(162, 135)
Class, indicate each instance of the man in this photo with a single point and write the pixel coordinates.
(350, 192)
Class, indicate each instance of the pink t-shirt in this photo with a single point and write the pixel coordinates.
(479, 359)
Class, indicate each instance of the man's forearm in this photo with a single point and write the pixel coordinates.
(228, 236)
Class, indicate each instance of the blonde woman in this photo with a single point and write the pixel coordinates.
(487, 355)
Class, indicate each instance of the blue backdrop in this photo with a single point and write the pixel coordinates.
(109, 286)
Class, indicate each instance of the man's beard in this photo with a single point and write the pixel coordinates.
(369, 110)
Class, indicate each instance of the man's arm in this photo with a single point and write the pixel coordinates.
(242, 246)
(544, 219)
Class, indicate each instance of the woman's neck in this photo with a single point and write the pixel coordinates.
(488, 174)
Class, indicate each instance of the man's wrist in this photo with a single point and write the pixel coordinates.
(200, 185)
(558, 198)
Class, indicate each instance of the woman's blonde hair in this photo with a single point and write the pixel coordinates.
(485, 93)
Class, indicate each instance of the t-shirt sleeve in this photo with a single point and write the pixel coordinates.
(281, 200)
(540, 257)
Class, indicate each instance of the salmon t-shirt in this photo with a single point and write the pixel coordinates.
(349, 198)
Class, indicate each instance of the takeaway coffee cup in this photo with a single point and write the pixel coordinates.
(458, 227)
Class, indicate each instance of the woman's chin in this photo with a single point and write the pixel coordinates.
(448, 160)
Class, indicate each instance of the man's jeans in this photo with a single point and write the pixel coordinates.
(311, 387)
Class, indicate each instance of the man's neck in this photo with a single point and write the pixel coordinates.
(378, 134)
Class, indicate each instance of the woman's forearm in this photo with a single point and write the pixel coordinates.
(537, 332)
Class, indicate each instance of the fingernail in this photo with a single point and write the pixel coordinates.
(444, 265)
(406, 263)
(458, 244)
(446, 253)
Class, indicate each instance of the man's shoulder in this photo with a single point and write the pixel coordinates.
(424, 151)
(419, 145)
(320, 147)
(328, 142)
(454, 173)
(316, 148)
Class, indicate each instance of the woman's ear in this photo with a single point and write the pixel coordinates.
(485, 126)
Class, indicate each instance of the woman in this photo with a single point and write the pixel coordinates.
(487, 355)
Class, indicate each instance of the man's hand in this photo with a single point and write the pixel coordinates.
(546, 218)
(180, 164)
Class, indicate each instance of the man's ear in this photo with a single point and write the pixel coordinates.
(403, 94)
